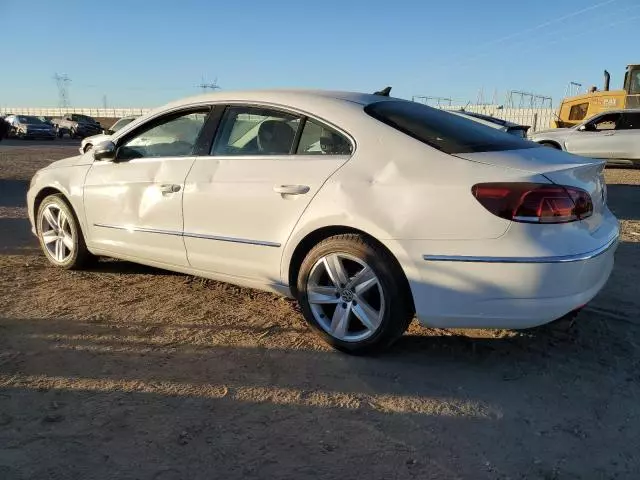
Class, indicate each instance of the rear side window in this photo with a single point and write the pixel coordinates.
(442, 130)
(630, 121)
(317, 139)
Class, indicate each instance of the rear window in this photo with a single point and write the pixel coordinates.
(444, 131)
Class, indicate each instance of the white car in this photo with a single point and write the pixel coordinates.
(88, 142)
(367, 209)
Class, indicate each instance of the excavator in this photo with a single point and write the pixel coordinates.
(575, 110)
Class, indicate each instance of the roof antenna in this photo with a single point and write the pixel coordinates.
(384, 92)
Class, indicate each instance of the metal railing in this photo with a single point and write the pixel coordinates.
(60, 111)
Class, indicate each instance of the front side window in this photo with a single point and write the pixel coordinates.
(255, 131)
(174, 137)
(629, 121)
(442, 130)
(578, 112)
(317, 139)
(604, 122)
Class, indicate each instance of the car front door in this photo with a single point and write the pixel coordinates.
(597, 138)
(628, 136)
(133, 204)
(243, 200)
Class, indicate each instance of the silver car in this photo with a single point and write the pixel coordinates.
(613, 136)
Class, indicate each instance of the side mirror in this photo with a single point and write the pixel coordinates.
(104, 151)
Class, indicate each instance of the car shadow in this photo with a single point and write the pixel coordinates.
(14, 193)
(624, 201)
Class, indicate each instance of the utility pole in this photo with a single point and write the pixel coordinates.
(62, 81)
(213, 86)
(104, 101)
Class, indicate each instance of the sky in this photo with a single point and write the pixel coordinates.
(146, 53)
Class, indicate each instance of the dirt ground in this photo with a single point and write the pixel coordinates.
(134, 373)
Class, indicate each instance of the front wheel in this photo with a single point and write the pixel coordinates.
(354, 293)
(59, 234)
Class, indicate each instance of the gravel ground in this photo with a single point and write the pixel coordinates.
(130, 372)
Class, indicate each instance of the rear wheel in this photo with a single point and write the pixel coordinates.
(59, 234)
(354, 294)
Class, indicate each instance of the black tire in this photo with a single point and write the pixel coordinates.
(397, 313)
(72, 134)
(80, 256)
(59, 133)
(550, 145)
(87, 147)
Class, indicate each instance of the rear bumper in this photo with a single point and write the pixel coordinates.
(508, 292)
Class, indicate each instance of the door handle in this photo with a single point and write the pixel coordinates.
(170, 188)
(291, 189)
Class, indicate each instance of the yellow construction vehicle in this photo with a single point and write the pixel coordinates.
(575, 110)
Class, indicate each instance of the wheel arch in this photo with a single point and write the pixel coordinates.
(551, 143)
(43, 193)
(312, 238)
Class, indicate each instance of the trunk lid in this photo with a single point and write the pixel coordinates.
(558, 167)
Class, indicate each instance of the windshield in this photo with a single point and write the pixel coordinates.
(442, 130)
(121, 123)
(29, 120)
(82, 118)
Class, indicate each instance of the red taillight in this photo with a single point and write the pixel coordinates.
(534, 202)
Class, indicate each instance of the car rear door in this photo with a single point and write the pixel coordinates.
(597, 139)
(133, 205)
(243, 200)
(628, 136)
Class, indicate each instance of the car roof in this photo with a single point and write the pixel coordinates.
(288, 96)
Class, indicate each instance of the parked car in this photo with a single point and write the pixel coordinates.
(504, 125)
(76, 125)
(366, 209)
(613, 136)
(88, 142)
(4, 127)
(27, 126)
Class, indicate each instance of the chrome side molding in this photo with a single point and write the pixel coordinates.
(190, 235)
(555, 259)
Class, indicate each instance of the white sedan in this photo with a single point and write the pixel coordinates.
(366, 208)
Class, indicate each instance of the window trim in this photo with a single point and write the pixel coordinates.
(301, 119)
(162, 118)
(592, 122)
(290, 111)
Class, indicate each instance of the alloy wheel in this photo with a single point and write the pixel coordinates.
(346, 297)
(56, 233)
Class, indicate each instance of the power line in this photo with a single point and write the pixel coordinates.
(496, 41)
